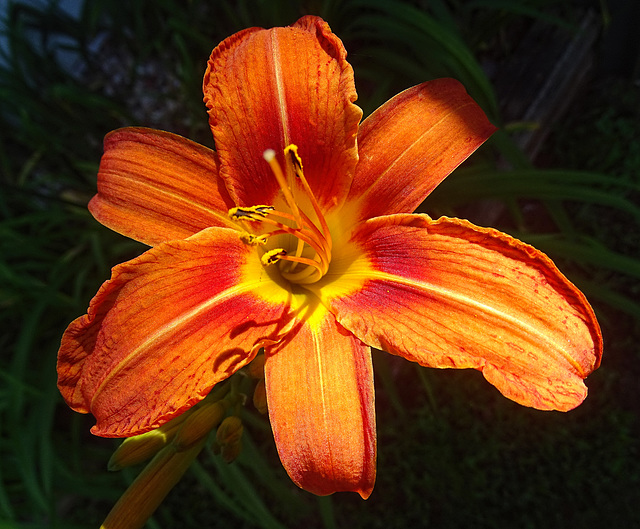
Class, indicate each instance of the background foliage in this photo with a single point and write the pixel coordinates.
(453, 452)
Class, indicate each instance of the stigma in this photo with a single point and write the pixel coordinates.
(297, 242)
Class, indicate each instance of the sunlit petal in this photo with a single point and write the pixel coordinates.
(411, 143)
(168, 326)
(266, 89)
(447, 293)
(154, 186)
(321, 406)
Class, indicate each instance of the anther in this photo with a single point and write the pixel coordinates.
(296, 161)
(250, 212)
(308, 245)
(254, 240)
(273, 256)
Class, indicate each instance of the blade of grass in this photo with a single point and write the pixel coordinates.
(586, 251)
(518, 8)
(467, 186)
(245, 494)
(325, 506)
(400, 22)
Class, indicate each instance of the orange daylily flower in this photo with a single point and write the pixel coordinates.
(296, 236)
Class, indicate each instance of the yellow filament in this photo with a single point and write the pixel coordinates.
(296, 162)
(312, 273)
(320, 238)
(305, 235)
(313, 233)
(270, 156)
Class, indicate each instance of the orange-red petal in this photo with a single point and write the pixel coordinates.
(154, 186)
(321, 406)
(411, 143)
(163, 330)
(447, 293)
(266, 89)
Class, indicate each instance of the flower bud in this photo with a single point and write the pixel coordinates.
(140, 448)
(231, 452)
(145, 494)
(230, 431)
(256, 368)
(229, 438)
(260, 397)
(198, 425)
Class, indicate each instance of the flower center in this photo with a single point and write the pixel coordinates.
(299, 245)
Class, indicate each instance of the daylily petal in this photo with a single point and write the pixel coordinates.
(266, 89)
(447, 293)
(169, 325)
(321, 406)
(154, 186)
(411, 143)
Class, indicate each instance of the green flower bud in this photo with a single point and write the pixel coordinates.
(198, 425)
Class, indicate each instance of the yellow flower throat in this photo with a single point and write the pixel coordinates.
(307, 254)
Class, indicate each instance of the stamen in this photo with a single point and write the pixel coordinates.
(296, 161)
(254, 240)
(250, 212)
(305, 235)
(270, 156)
(312, 255)
(311, 274)
(273, 256)
(320, 239)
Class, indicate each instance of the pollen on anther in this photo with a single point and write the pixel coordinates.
(250, 212)
(254, 240)
(273, 256)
